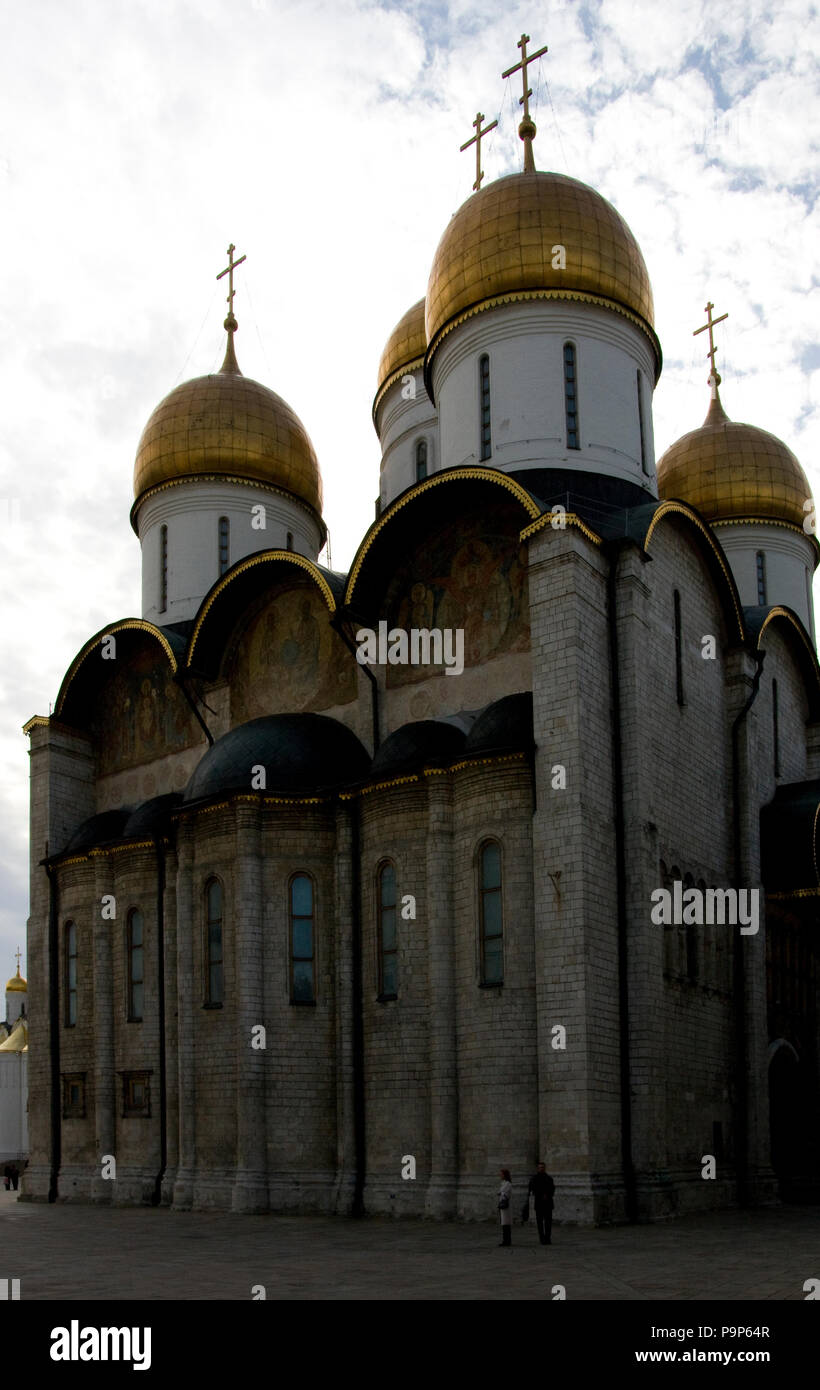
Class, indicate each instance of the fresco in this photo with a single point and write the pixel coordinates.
(289, 659)
(141, 714)
(472, 575)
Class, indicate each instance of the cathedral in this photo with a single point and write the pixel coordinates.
(345, 885)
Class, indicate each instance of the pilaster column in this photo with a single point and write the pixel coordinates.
(345, 1182)
(442, 1188)
(250, 1192)
(187, 1000)
(171, 1028)
(102, 1189)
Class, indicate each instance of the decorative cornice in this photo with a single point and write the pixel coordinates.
(36, 721)
(416, 365)
(416, 777)
(567, 518)
(457, 474)
(224, 478)
(260, 558)
(524, 296)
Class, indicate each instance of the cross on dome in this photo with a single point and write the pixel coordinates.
(714, 377)
(230, 364)
(527, 127)
(476, 140)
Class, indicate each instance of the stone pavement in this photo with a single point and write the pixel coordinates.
(84, 1252)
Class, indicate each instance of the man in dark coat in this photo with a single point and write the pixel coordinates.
(541, 1190)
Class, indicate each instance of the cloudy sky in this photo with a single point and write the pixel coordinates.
(139, 137)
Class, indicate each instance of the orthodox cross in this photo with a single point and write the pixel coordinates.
(527, 127)
(476, 140)
(229, 270)
(710, 323)
(18, 953)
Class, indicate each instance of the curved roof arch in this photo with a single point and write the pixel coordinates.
(759, 619)
(77, 677)
(231, 594)
(426, 502)
(716, 561)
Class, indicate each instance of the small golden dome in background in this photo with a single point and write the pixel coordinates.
(228, 424)
(17, 984)
(734, 472)
(405, 348)
(500, 242)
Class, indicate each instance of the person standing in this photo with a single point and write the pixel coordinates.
(505, 1206)
(542, 1189)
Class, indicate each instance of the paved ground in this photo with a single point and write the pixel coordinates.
(83, 1252)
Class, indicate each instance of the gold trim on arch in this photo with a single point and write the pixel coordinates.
(681, 509)
(127, 624)
(415, 365)
(261, 557)
(489, 475)
(780, 612)
(523, 296)
(569, 518)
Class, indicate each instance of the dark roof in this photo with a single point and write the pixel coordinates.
(503, 727)
(611, 507)
(788, 838)
(152, 817)
(98, 830)
(302, 754)
(413, 746)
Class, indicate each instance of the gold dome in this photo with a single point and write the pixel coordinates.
(227, 424)
(405, 348)
(17, 984)
(734, 472)
(500, 242)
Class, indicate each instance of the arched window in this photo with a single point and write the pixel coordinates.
(421, 460)
(70, 946)
(214, 978)
(761, 577)
(302, 943)
(289, 542)
(678, 651)
(644, 464)
(224, 544)
(491, 914)
(571, 396)
(163, 568)
(388, 940)
(775, 730)
(484, 420)
(136, 965)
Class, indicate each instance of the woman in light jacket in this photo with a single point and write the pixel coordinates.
(505, 1206)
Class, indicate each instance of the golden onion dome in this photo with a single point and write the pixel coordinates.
(17, 984)
(404, 350)
(227, 425)
(498, 248)
(734, 472)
